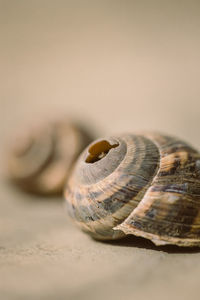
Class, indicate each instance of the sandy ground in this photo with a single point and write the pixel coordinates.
(117, 66)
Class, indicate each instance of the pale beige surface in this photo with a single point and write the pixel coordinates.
(121, 66)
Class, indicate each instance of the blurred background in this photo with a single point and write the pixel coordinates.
(117, 66)
(120, 65)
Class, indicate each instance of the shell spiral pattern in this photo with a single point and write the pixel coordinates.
(144, 184)
(40, 160)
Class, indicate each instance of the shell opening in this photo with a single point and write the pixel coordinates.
(99, 150)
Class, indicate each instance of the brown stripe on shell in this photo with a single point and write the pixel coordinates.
(169, 211)
(107, 202)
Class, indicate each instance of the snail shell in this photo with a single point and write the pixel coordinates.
(40, 160)
(147, 185)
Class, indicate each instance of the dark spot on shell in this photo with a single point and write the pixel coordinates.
(136, 224)
(173, 188)
(151, 213)
(198, 166)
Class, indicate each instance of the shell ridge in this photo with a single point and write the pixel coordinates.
(177, 229)
(121, 226)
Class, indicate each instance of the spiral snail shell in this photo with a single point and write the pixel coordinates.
(144, 184)
(40, 159)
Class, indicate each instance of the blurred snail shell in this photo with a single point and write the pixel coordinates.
(144, 184)
(41, 159)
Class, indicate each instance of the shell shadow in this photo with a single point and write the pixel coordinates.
(139, 242)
